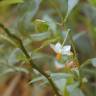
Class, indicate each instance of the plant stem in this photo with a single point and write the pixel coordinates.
(65, 39)
(47, 76)
(85, 63)
(73, 46)
(39, 70)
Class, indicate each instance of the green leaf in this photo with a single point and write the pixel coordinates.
(51, 23)
(82, 42)
(91, 72)
(40, 25)
(6, 72)
(21, 69)
(14, 69)
(54, 76)
(77, 92)
(73, 86)
(8, 39)
(9, 2)
(93, 2)
(6, 68)
(71, 5)
(26, 12)
(40, 36)
(61, 84)
(66, 93)
(15, 56)
(70, 80)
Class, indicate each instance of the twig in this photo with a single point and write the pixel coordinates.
(65, 39)
(85, 63)
(47, 76)
(73, 46)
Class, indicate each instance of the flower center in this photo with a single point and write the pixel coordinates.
(58, 56)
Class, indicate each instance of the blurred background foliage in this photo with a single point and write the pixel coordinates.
(38, 23)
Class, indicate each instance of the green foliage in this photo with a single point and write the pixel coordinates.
(93, 61)
(38, 23)
(9, 2)
(71, 5)
(92, 2)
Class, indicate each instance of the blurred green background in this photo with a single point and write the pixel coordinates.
(39, 23)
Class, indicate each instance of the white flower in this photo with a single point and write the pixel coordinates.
(64, 50)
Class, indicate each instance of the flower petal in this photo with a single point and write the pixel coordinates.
(66, 50)
(53, 47)
(58, 47)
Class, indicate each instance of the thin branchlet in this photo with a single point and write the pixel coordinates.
(47, 76)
